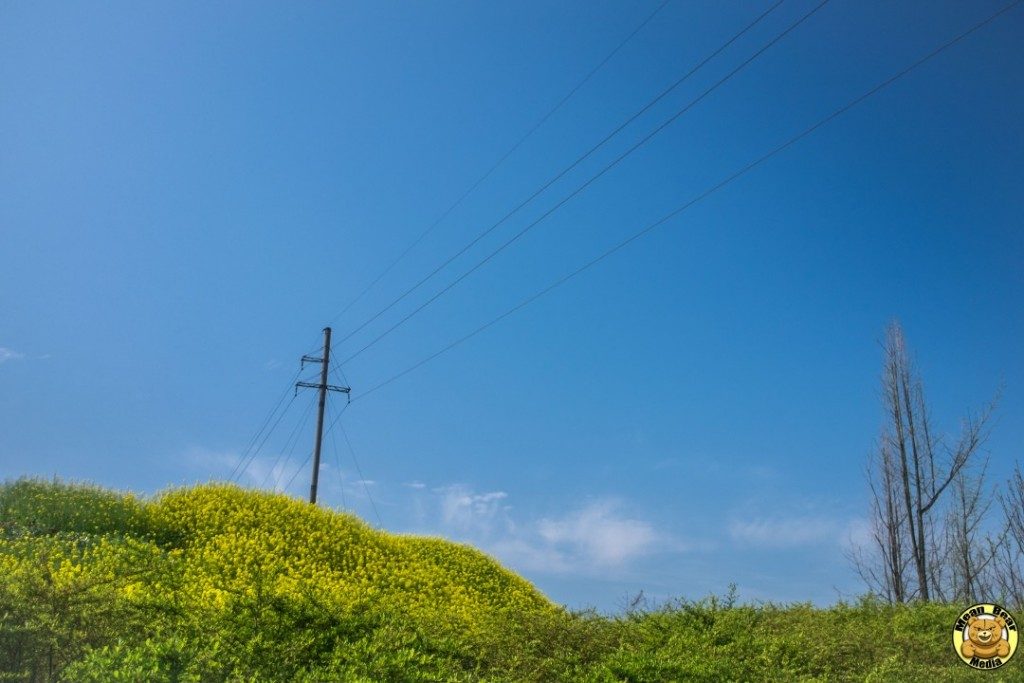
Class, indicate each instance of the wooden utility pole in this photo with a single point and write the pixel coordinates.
(324, 387)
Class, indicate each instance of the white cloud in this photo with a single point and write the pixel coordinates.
(597, 537)
(600, 534)
(7, 354)
(464, 510)
(791, 532)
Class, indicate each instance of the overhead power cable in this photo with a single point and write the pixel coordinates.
(336, 422)
(337, 462)
(253, 454)
(337, 417)
(252, 441)
(359, 471)
(301, 467)
(664, 93)
(289, 445)
(263, 426)
(501, 160)
(718, 186)
(644, 140)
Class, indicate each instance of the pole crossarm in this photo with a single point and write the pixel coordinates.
(328, 387)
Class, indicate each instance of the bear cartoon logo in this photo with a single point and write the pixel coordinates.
(985, 636)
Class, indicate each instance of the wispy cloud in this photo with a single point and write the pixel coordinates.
(791, 532)
(464, 510)
(601, 534)
(597, 538)
(7, 354)
(594, 537)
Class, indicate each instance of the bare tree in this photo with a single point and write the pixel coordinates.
(969, 553)
(1009, 553)
(909, 476)
(883, 566)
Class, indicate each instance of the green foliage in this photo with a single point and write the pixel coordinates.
(215, 583)
(29, 506)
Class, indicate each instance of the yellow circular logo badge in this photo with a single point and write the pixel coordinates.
(985, 636)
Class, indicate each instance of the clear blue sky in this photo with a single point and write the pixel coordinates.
(189, 192)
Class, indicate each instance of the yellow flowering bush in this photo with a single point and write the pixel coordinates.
(216, 583)
(241, 581)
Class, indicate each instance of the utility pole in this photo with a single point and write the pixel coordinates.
(324, 387)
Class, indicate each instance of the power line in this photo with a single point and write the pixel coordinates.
(245, 451)
(263, 426)
(340, 375)
(309, 457)
(579, 160)
(665, 124)
(337, 417)
(729, 179)
(291, 438)
(239, 468)
(289, 445)
(501, 160)
(253, 454)
(567, 169)
(359, 471)
(337, 461)
(355, 461)
(302, 466)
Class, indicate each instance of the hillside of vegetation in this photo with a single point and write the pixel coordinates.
(217, 583)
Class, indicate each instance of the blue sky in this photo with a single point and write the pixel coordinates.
(191, 191)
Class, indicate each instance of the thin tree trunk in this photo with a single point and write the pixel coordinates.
(920, 555)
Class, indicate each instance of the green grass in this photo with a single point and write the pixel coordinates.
(216, 583)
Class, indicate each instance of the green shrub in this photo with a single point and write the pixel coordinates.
(36, 507)
(215, 583)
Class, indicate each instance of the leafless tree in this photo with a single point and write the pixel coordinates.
(884, 565)
(969, 553)
(909, 476)
(1009, 553)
